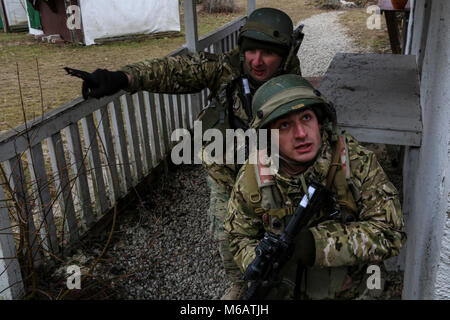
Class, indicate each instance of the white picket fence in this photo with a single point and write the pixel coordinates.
(62, 172)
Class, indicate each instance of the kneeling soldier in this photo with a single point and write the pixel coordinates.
(362, 226)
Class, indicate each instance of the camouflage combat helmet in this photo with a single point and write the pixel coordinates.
(268, 25)
(286, 93)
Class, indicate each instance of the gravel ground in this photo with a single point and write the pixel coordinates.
(324, 37)
(162, 249)
(167, 249)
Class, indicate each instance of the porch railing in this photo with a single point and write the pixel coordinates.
(61, 172)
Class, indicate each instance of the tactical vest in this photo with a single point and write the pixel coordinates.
(229, 109)
(267, 200)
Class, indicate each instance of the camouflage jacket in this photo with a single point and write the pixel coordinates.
(184, 74)
(377, 234)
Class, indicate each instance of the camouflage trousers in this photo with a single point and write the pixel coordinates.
(217, 212)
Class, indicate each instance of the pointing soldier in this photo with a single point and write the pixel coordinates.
(331, 252)
(267, 47)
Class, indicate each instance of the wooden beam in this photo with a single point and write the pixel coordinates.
(190, 24)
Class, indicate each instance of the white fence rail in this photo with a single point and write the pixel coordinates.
(62, 172)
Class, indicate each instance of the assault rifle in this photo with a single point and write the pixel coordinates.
(297, 39)
(274, 250)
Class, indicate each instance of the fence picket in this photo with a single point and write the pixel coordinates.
(163, 120)
(170, 107)
(133, 141)
(155, 133)
(62, 183)
(143, 131)
(121, 145)
(16, 176)
(38, 174)
(204, 100)
(104, 129)
(186, 120)
(95, 164)
(79, 173)
(180, 123)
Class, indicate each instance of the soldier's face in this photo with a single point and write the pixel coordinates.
(262, 64)
(299, 135)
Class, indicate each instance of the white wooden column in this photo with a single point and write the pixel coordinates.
(190, 25)
(251, 6)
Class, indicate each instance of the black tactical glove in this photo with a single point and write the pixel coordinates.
(101, 82)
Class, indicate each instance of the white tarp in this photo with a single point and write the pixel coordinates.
(112, 18)
(16, 12)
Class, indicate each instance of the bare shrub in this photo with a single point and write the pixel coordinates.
(218, 6)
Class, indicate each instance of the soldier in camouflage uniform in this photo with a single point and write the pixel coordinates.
(332, 254)
(265, 49)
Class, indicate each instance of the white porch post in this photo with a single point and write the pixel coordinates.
(190, 25)
(251, 6)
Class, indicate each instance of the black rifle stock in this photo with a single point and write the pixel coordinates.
(274, 250)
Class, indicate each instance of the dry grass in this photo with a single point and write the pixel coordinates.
(58, 88)
(376, 41)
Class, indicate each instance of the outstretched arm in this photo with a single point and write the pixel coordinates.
(179, 74)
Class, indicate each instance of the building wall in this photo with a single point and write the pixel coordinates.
(427, 265)
(54, 19)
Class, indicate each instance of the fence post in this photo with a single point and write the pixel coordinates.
(190, 25)
(11, 286)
